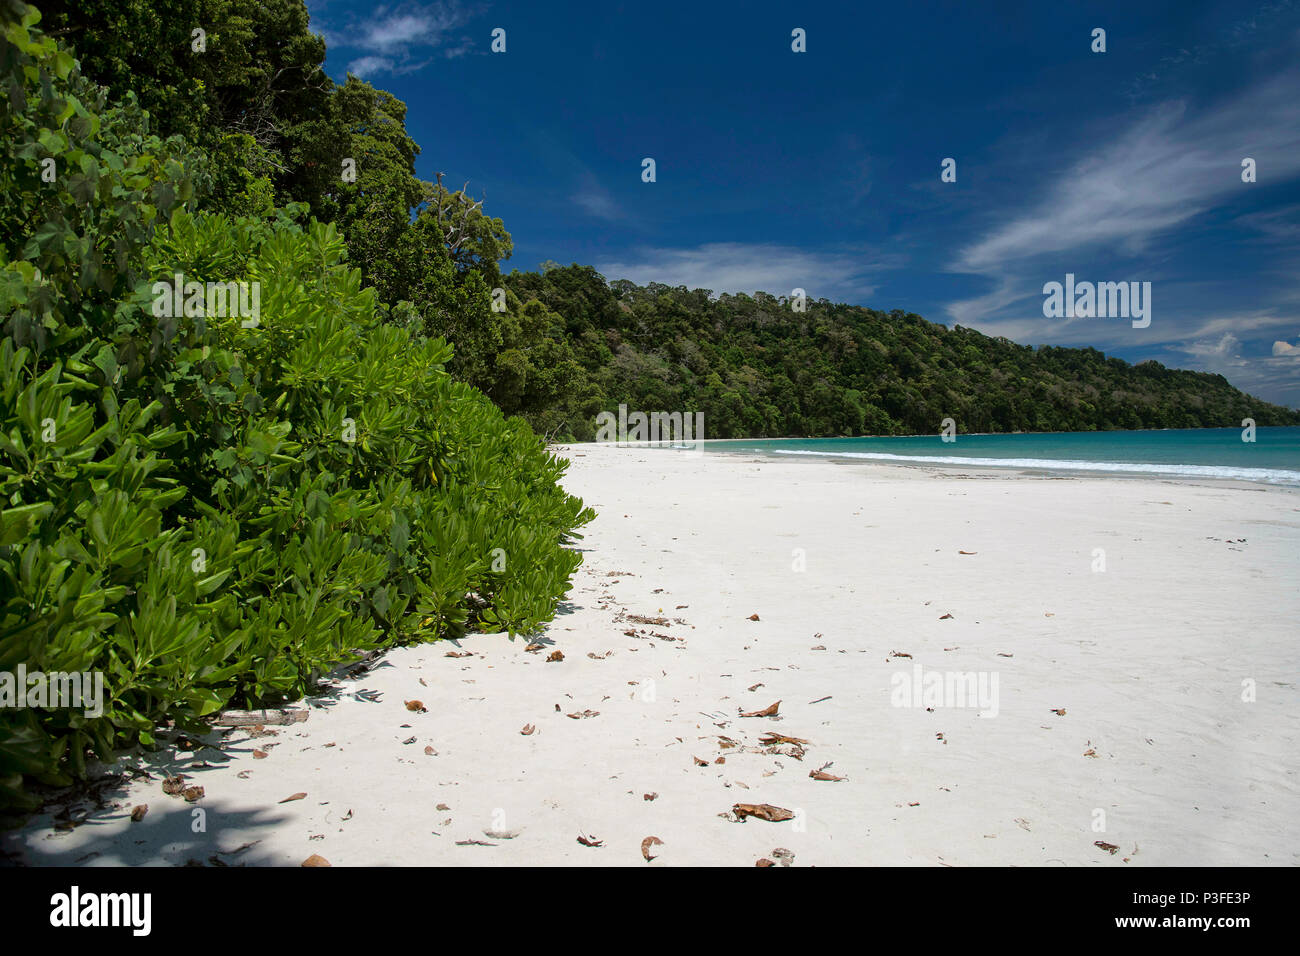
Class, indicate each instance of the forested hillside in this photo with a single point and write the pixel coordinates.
(757, 368)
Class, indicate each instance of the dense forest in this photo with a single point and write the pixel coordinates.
(213, 512)
(757, 368)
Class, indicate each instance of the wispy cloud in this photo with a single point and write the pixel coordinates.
(403, 38)
(735, 267)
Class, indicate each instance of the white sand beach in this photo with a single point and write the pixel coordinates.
(1119, 715)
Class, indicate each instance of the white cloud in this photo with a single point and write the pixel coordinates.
(402, 39)
(734, 267)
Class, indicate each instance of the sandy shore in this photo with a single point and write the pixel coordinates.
(1118, 715)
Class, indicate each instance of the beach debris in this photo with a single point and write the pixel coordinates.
(642, 619)
(1000, 654)
(968, 552)
(1049, 614)
(899, 654)
(416, 706)
(941, 738)
(314, 860)
(699, 762)
(916, 804)
(647, 843)
(821, 774)
(727, 743)
(785, 856)
(755, 687)
(1023, 824)
(430, 752)
(752, 617)
(764, 861)
(243, 774)
(648, 797)
(137, 813)
(297, 796)
(502, 834)
(555, 657)
(1090, 752)
(598, 657)
(769, 711)
(247, 718)
(192, 794)
(473, 843)
(590, 841)
(680, 606)
(408, 741)
(763, 811)
(260, 754)
(527, 730)
(770, 739)
(820, 699)
(721, 760)
(174, 785)
(422, 683)
(819, 647)
(945, 617)
(457, 654)
(534, 648)
(1059, 711)
(1108, 847)
(583, 713)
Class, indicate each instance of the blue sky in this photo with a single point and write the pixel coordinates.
(821, 170)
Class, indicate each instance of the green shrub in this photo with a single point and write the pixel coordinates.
(207, 513)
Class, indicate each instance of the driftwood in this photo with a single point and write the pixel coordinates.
(251, 718)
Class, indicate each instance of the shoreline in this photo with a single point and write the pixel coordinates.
(1145, 658)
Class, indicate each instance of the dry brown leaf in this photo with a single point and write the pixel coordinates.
(753, 617)
(590, 841)
(968, 552)
(721, 760)
(457, 654)
(823, 775)
(296, 796)
(174, 785)
(770, 740)
(533, 648)
(1059, 711)
(527, 730)
(430, 752)
(192, 794)
(726, 743)
(1090, 752)
(137, 813)
(649, 796)
(647, 843)
(554, 657)
(315, 860)
(900, 654)
(764, 811)
(699, 762)
(945, 617)
(1108, 847)
(755, 687)
(765, 862)
(768, 711)
(584, 713)
(416, 706)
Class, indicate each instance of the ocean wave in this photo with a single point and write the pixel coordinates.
(1267, 475)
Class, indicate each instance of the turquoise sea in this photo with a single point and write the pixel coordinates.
(1273, 458)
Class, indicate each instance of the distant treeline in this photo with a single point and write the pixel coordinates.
(757, 368)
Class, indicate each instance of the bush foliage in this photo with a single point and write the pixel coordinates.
(211, 511)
